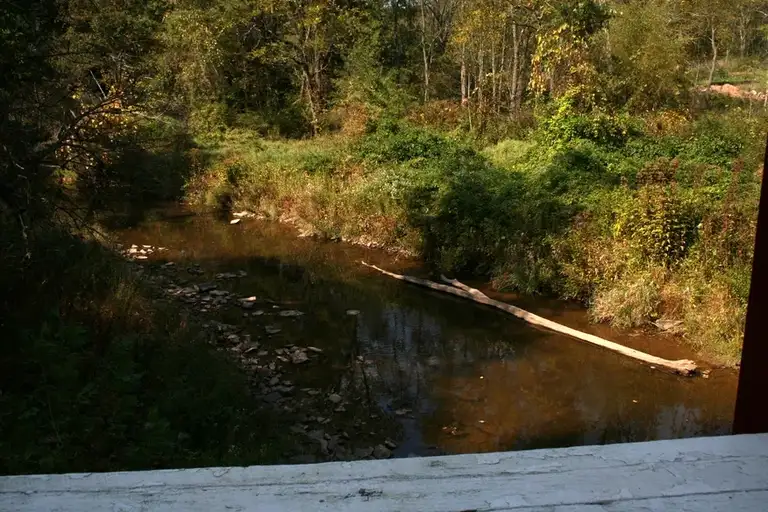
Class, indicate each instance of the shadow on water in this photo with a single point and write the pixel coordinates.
(457, 377)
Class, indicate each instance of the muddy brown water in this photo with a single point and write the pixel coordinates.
(457, 377)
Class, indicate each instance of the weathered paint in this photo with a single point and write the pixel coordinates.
(704, 474)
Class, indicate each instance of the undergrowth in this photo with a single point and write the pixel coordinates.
(643, 219)
(98, 375)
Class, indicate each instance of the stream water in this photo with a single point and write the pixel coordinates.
(453, 376)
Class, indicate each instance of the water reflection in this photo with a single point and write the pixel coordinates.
(458, 377)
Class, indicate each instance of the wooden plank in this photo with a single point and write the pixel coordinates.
(696, 474)
(751, 416)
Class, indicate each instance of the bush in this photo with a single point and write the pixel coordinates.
(563, 122)
(509, 153)
(659, 223)
(394, 142)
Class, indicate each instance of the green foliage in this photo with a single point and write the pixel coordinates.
(648, 51)
(567, 121)
(509, 153)
(396, 142)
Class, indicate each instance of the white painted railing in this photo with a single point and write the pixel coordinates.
(705, 474)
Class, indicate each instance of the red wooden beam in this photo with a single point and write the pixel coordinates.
(751, 415)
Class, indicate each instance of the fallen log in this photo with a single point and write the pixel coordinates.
(681, 366)
(459, 284)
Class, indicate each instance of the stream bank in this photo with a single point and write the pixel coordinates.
(360, 367)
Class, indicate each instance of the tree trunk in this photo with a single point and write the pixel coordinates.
(424, 51)
(681, 366)
(479, 83)
(464, 100)
(743, 21)
(714, 55)
(493, 76)
(311, 103)
(502, 70)
(515, 68)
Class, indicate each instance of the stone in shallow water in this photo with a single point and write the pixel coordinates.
(334, 398)
(299, 357)
(271, 329)
(362, 453)
(381, 452)
(673, 326)
(315, 350)
(273, 397)
(316, 435)
(390, 444)
(290, 313)
(353, 312)
(234, 221)
(341, 453)
(206, 287)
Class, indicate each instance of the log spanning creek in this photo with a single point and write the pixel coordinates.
(365, 366)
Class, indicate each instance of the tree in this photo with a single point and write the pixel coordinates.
(647, 43)
(562, 58)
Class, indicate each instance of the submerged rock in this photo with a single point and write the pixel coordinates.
(234, 221)
(299, 357)
(671, 326)
(362, 453)
(353, 312)
(381, 452)
(290, 313)
(273, 397)
(335, 398)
